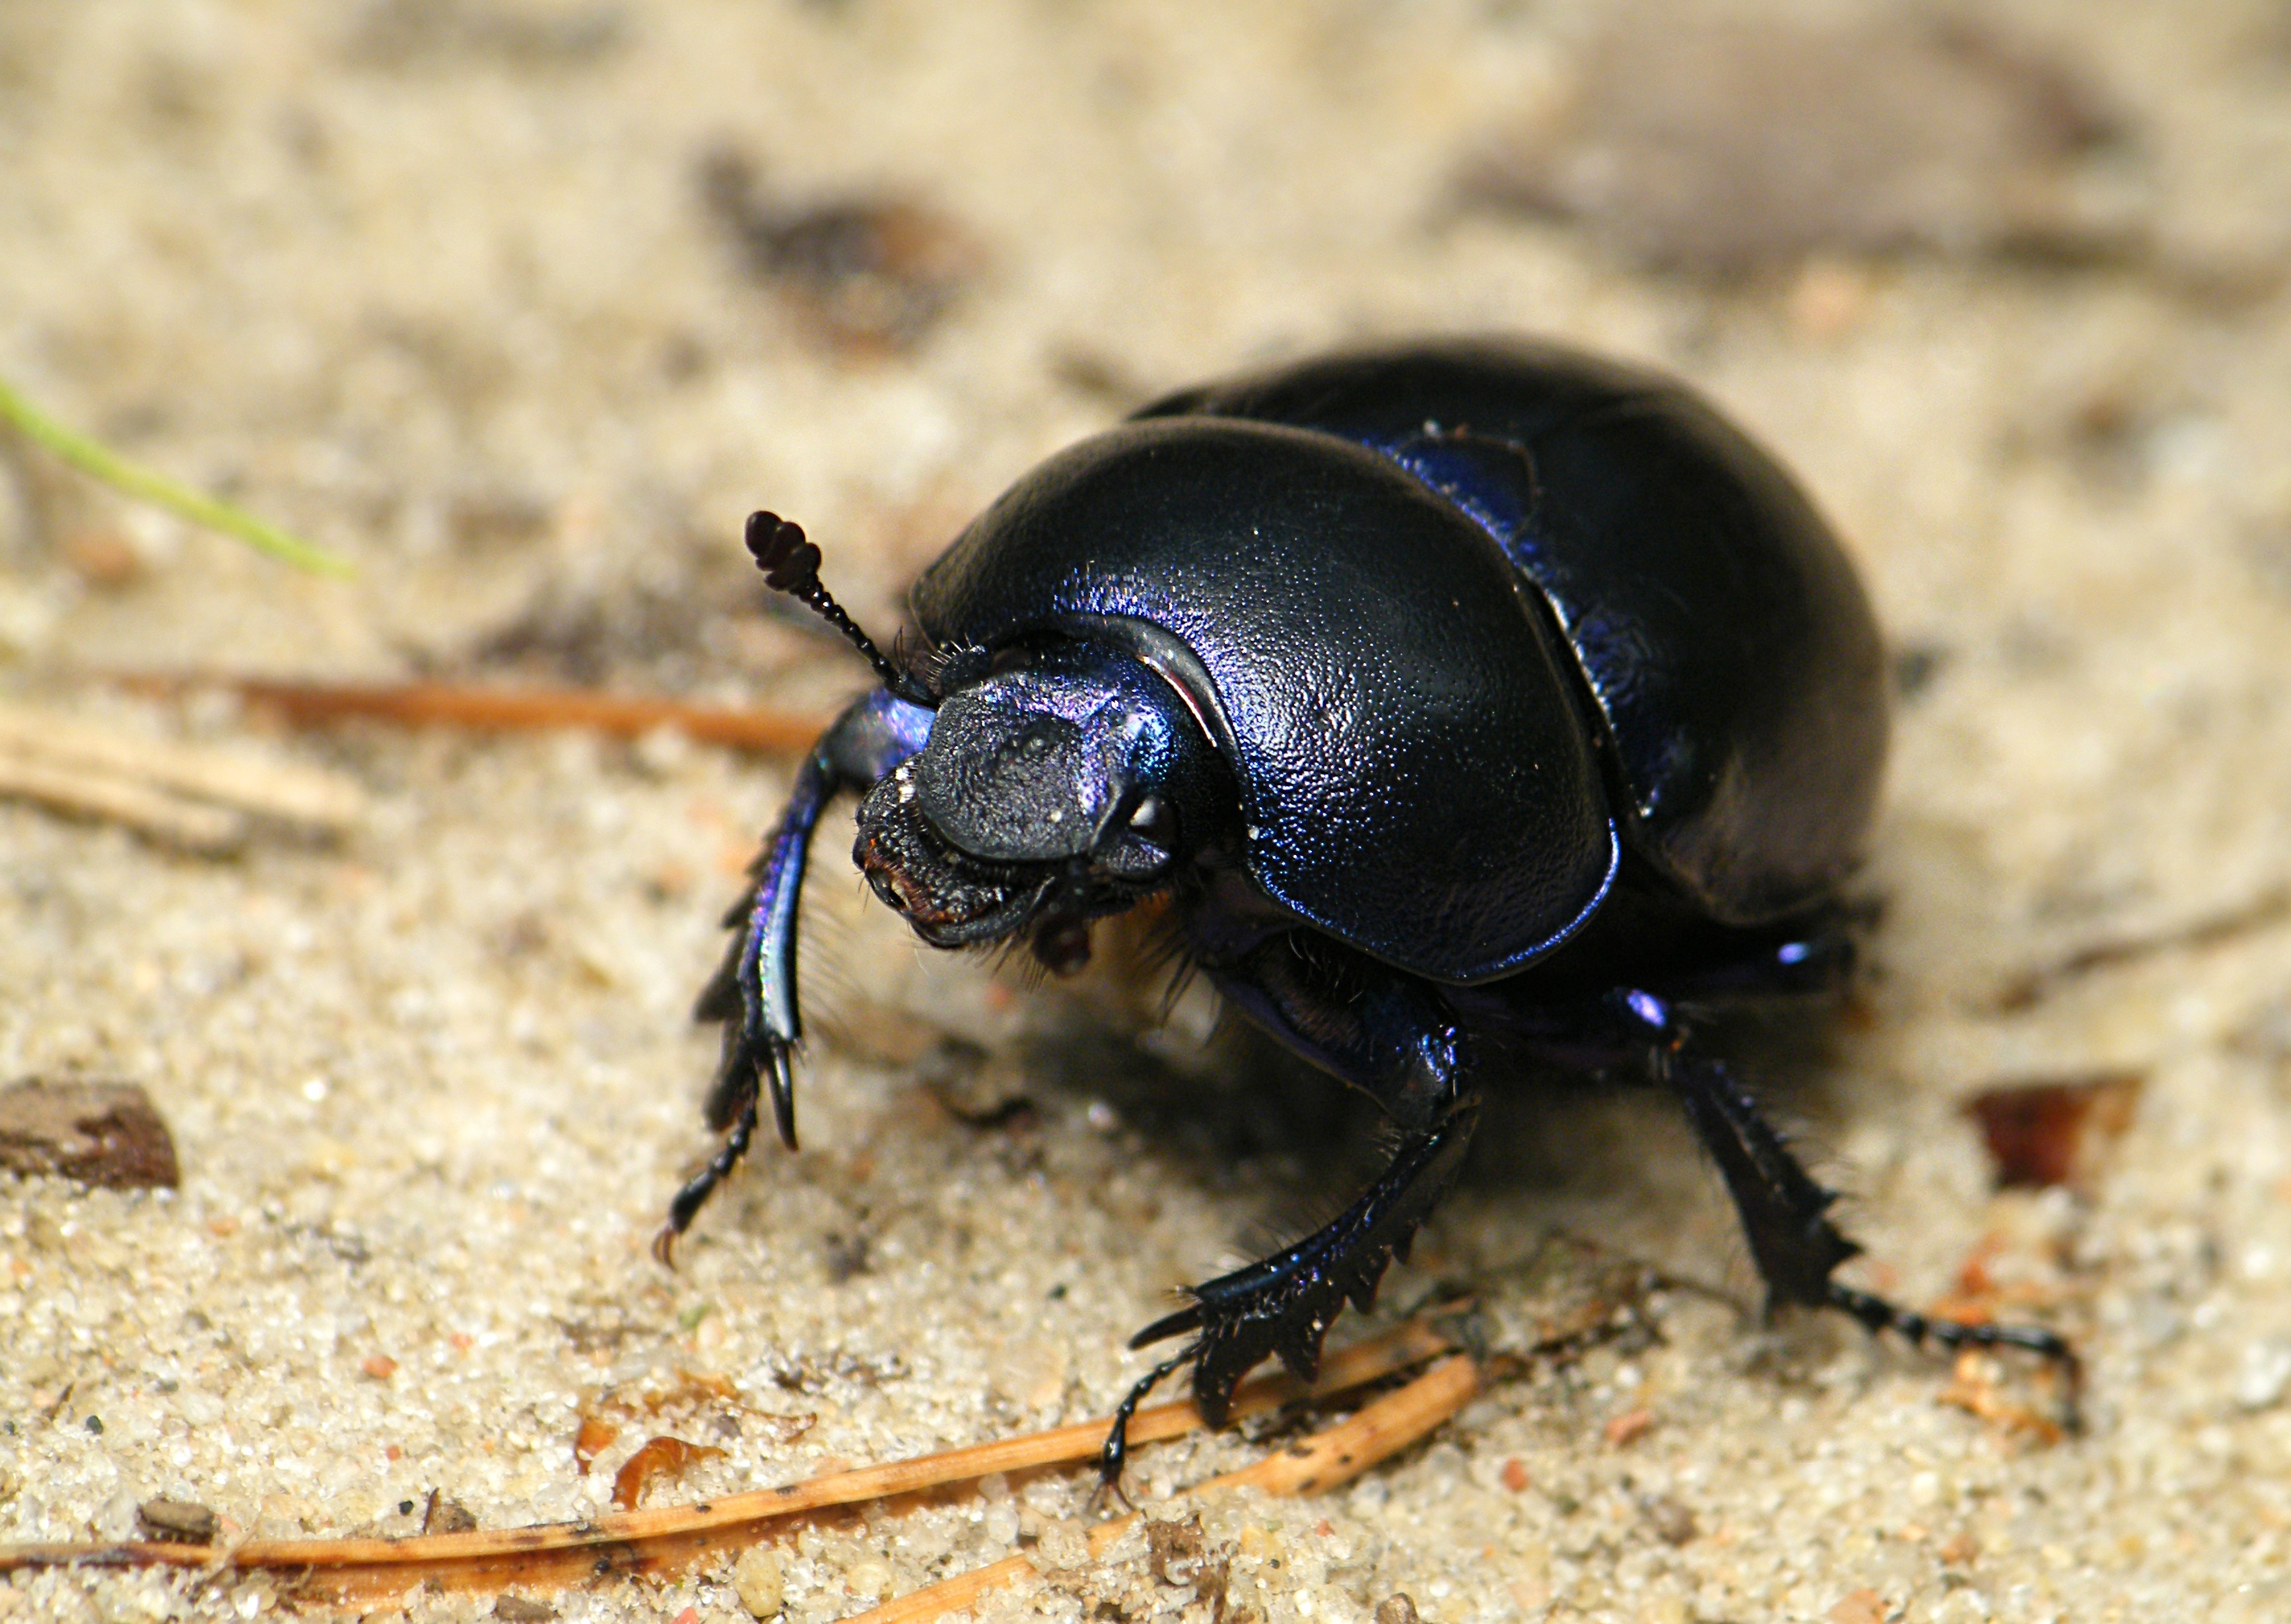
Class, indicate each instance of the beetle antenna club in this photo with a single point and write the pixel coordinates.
(790, 564)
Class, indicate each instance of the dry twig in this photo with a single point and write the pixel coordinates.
(413, 704)
(554, 1554)
(165, 817)
(1325, 1461)
(189, 795)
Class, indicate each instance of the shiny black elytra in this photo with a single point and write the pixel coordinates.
(1474, 704)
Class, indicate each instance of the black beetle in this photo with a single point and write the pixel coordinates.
(1468, 701)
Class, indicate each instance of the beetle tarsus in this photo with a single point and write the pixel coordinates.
(1115, 1454)
(1878, 1315)
(703, 1184)
(753, 1060)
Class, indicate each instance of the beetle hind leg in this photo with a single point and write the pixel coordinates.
(1784, 1212)
(1283, 1306)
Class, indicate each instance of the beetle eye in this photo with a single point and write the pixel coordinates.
(1155, 820)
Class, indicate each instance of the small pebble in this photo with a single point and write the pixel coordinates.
(759, 1582)
(2265, 1374)
(179, 1521)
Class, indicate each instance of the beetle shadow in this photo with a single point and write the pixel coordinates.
(1237, 1111)
(1613, 1160)
(1607, 1159)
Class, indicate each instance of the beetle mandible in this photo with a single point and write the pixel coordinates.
(1473, 704)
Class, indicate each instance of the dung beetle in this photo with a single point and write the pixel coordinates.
(1475, 706)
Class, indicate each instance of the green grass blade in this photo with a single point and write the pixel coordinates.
(99, 461)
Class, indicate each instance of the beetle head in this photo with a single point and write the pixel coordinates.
(1057, 788)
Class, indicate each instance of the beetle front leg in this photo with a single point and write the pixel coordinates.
(753, 991)
(1390, 1036)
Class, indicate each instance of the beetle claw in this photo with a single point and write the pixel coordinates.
(779, 1074)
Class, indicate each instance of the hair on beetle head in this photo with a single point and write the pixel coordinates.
(942, 670)
(790, 565)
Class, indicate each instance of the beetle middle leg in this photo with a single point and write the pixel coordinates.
(753, 991)
(1394, 1038)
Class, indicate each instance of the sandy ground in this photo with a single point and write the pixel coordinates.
(435, 283)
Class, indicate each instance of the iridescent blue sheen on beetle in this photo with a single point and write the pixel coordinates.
(1477, 706)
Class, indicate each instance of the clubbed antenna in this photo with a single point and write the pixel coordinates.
(790, 565)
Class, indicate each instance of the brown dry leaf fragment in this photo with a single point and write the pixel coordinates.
(1630, 1426)
(657, 1458)
(680, 1390)
(1721, 145)
(1972, 1389)
(782, 1430)
(871, 270)
(694, 1388)
(594, 1438)
(2050, 1133)
(1174, 1550)
(100, 1133)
